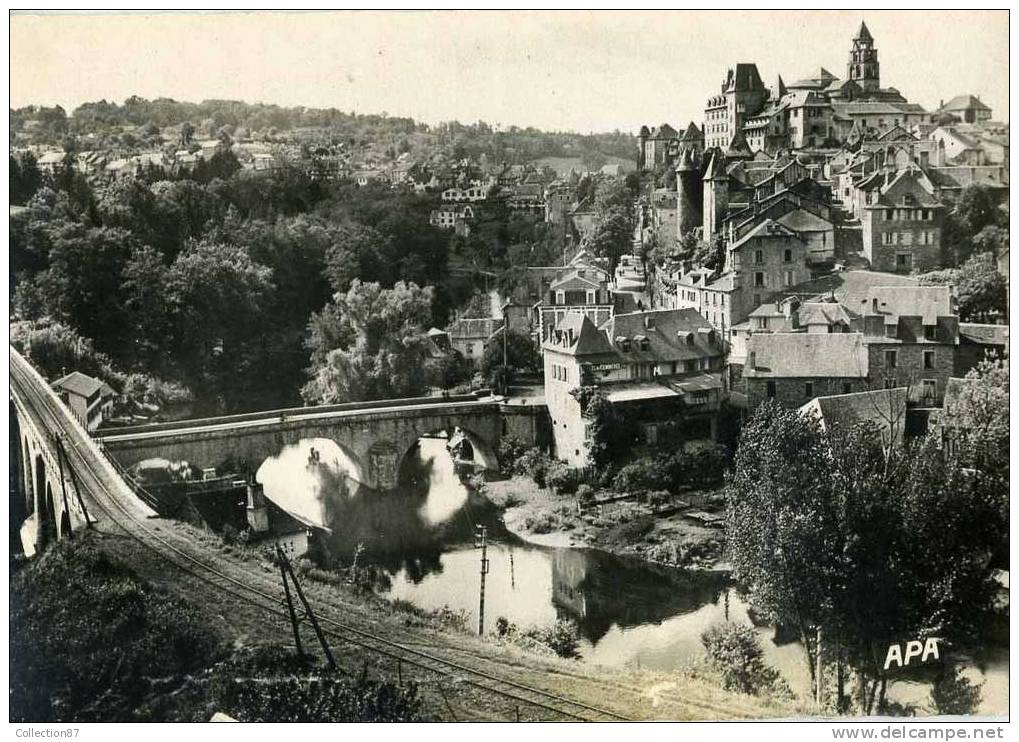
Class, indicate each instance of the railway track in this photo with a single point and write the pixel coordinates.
(40, 402)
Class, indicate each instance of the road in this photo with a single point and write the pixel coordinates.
(460, 676)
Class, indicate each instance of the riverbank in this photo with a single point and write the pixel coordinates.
(675, 531)
(634, 693)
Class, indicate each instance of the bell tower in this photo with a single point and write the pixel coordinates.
(863, 67)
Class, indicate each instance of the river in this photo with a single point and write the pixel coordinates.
(629, 613)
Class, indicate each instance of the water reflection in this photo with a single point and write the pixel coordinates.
(629, 613)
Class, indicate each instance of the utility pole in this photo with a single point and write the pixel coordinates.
(286, 570)
(481, 541)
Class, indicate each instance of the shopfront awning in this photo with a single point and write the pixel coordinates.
(638, 392)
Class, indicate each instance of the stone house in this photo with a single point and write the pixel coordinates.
(661, 369)
(793, 368)
(901, 221)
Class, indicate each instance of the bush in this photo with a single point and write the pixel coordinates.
(88, 635)
(562, 478)
(509, 452)
(533, 463)
(585, 495)
(562, 637)
(954, 695)
(274, 684)
(735, 652)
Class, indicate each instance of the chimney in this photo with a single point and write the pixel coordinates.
(875, 305)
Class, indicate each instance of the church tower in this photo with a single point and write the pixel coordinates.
(863, 67)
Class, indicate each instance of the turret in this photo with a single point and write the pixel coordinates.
(689, 194)
(716, 194)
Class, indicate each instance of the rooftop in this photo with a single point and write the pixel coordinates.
(806, 355)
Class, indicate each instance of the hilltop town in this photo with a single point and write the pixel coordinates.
(782, 322)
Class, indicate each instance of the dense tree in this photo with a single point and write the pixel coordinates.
(25, 178)
(848, 543)
(218, 296)
(369, 343)
(521, 354)
(980, 289)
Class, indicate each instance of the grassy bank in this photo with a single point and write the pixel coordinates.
(91, 640)
(657, 529)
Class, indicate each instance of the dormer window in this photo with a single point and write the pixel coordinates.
(930, 332)
(591, 297)
(560, 297)
(891, 331)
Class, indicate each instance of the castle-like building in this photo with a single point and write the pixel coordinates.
(816, 112)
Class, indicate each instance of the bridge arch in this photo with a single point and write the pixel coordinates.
(473, 447)
(39, 486)
(48, 522)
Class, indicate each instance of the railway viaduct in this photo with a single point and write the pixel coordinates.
(375, 436)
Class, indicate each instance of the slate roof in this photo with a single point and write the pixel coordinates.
(674, 335)
(79, 383)
(886, 408)
(962, 102)
(805, 355)
(983, 334)
(800, 220)
(926, 302)
(475, 327)
(823, 313)
(767, 228)
(850, 288)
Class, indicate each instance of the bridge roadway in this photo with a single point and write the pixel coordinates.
(374, 436)
(484, 685)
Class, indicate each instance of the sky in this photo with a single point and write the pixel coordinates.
(577, 71)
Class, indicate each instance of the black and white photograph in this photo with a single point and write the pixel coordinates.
(510, 366)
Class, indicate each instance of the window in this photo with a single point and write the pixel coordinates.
(590, 297)
(928, 359)
(787, 256)
(758, 279)
(930, 332)
(929, 390)
(651, 434)
(770, 389)
(904, 261)
(808, 390)
(891, 331)
(847, 387)
(790, 278)
(758, 256)
(891, 357)
(560, 297)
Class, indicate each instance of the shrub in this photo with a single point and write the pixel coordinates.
(88, 635)
(562, 637)
(562, 478)
(735, 652)
(585, 495)
(533, 463)
(509, 452)
(273, 684)
(954, 695)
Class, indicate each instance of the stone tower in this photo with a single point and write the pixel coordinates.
(716, 195)
(689, 193)
(641, 143)
(863, 67)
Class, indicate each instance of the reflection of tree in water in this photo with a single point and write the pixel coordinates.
(389, 524)
(598, 590)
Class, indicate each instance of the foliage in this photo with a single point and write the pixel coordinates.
(369, 344)
(981, 290)
(954, 695)
(91, 641)
(735, 652)
(609, 436)
(562, 637)
(272, 684)
(829, 533)
(509, 452)
(533, 463)
(522, 353)
(562, 478)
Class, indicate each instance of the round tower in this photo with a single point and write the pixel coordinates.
(689, 193)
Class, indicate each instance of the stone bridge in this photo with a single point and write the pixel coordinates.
(46, 495)
(375, 436)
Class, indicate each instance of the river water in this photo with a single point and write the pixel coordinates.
(629, 613)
